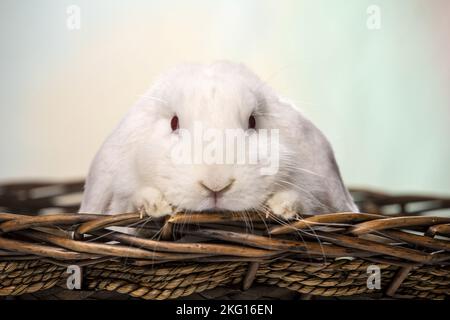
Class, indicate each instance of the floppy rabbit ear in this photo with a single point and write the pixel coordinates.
(310, 163)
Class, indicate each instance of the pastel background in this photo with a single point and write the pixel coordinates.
(381, 96)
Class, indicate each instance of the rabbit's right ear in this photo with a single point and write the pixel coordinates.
(95, 200)
(311, 162)
(97, 193)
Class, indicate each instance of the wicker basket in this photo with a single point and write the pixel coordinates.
(222, 255)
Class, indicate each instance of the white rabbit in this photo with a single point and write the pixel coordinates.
(135, 169)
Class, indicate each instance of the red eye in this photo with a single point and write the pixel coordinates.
(251, 122)
(174, 123)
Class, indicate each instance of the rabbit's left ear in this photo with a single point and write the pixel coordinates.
(310, 162)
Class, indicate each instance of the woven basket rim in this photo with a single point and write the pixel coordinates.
(249, 246)
(350, 236)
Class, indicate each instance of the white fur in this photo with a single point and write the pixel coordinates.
(133, 169)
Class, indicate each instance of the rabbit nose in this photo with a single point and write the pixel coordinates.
(217, 189)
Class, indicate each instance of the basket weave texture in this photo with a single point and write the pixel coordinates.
(222, 255)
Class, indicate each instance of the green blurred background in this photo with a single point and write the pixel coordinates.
(381, 95)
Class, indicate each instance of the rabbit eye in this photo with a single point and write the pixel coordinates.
(174, 123)
(251, 122)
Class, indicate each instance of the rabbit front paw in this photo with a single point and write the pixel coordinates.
(151, 202)
(284, 204)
